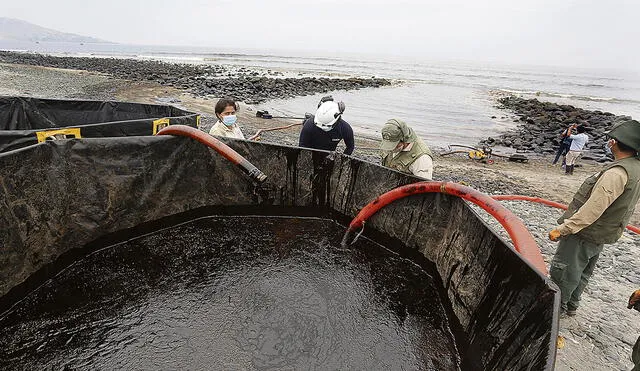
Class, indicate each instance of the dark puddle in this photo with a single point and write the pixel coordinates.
(234, 293)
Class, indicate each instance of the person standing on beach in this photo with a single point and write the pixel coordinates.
(324, 131)
(326, 128)
(226, 126)
(402, 150)
(597, 215)
(565, 144)
(578, 141)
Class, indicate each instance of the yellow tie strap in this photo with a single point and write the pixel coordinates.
(51, 134)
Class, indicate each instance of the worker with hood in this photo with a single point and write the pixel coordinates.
(598, 214)
(402, 150)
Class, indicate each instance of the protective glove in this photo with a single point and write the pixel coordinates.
(554, 235)
(634, 301)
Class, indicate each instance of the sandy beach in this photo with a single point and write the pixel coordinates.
(599, 337)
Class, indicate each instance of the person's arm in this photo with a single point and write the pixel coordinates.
(606, 190)
(422, 167)
(239, 133)
(305, 136)
(564, 133)
(217, 130)
(349, 141)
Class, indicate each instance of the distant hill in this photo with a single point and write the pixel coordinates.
(17, 30)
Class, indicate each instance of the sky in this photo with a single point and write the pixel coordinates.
(582, 34)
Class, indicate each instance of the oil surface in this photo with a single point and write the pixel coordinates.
(234, 293)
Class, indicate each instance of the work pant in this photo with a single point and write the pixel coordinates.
(572, 156)
(635, 355)
(564, 148)
(572, 267)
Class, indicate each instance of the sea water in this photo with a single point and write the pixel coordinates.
(445, 102)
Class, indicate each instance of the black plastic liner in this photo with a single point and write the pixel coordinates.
(21, 119)
(61, 195)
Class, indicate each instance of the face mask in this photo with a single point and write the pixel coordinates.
(229, 120)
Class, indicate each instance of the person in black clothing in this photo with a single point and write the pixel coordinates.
(324, 131)
(326, 128)
(565, 144)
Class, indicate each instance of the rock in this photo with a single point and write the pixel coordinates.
(542, 122)
(242, 84)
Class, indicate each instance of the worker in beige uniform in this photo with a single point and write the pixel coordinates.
(598, 214)
(226, 126)
(402, 150)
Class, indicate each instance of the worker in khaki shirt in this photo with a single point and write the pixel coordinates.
(402, 150)
(598, 214)
(226, 126)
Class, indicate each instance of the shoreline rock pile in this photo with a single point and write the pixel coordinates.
(243, 84)
(541, 123)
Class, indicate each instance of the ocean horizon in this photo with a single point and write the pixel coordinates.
(446, 102)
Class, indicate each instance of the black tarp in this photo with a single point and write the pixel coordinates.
(59, 196)
(22, 118)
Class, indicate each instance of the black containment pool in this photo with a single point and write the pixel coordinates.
(235, 293)
(132, 253)
(25, 121)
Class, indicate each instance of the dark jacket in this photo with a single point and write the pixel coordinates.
(313, 137)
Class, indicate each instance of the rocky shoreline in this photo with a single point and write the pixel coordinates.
(599, 337)
(542, 122)
(244, 84)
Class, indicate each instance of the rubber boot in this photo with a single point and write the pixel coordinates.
(569, 170)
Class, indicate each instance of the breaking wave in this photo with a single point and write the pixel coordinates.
(569, 96)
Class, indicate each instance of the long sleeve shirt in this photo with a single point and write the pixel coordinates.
(578, 141)
(313, 137)
(222, 130)
(422, 167)
(607, 189)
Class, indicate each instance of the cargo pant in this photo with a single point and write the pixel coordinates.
(571, 268)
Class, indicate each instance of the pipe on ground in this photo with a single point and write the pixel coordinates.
(523, 242)
(223, 149)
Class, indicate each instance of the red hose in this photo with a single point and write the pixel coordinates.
(211, 142)
(523, 242)
(257, 134)
(539, 200)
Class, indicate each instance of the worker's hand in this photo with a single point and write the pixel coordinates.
(634, 301)
(554, 235)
